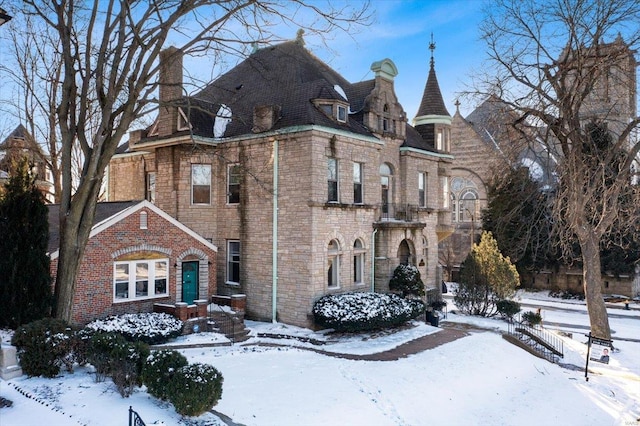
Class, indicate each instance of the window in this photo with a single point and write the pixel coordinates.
(440, 140)
(342, 114)
(333, 270)
(151, 187)
(468, 207)
(132, 278)
(422, 189)
(201, 184)
(385, 187)
(143, 220)
(358, 262)
(233, 262)
(444, 180)
(357, 183)
(233, 184)
(327, 109)
(332, 180)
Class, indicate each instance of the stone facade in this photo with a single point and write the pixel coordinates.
(323, 245)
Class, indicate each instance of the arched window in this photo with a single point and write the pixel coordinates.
(468, 206)
(333, 267)
(358, 262)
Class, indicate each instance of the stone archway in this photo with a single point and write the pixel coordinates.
(406, 254)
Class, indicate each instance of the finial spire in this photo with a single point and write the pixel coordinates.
(457, 104)
(432, 47)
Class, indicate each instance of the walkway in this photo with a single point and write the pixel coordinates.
(447, 334)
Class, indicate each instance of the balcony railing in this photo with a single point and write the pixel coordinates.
(400, 212)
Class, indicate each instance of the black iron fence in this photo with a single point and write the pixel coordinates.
(547, 344)
(134, 418)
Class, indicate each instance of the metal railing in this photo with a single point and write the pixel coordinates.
(548, 345)
(401, 212)
(134, 418)
(225, 321)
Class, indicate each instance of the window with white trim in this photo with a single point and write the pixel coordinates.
(201, 184)
(358, 262)
(357, 183)
(333, 268)
(233, 262)
(422, 189)
(342, 114)
(332, 180)
(233, 184)
(140, 279)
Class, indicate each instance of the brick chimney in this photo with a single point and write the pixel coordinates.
(170, 90)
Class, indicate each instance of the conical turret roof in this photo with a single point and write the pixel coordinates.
(432, 102)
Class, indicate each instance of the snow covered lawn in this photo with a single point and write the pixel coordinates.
(480, 379)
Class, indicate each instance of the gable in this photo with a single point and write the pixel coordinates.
(111, 213)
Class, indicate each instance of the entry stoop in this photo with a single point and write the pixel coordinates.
(229, 323)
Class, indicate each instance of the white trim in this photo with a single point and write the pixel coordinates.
(110, 221)
(177, 140)
(432, 119)
(432, 154)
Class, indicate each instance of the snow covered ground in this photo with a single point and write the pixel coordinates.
(480, 379)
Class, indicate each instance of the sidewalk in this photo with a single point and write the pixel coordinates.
(449, 333)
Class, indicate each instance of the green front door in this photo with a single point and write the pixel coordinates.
(189, 282)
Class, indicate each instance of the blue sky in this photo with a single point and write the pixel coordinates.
(402, 32)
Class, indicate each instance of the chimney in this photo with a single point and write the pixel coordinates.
(170, 84)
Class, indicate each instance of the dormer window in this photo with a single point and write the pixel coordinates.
(183, 121)
(337, 110)
(342, 114)
(327, 109)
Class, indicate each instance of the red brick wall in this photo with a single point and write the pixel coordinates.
(94, 287)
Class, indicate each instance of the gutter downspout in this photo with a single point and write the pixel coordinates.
(373, 260)
(274, 236)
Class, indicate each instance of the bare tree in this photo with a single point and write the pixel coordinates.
(563, 64)
(109, 51)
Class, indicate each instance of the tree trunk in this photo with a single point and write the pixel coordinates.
(592, 276)
(75, 227)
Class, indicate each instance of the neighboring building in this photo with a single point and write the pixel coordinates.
(308, 183)
(137, 256)
(485, 143)
(18, 144)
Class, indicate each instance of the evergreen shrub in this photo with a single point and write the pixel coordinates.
(354, 312)
(112, 355)
(44, 346)
(195, 389)
(508, 308)
(532, 318)
(406, 280)
(152, 328)
(159, 369)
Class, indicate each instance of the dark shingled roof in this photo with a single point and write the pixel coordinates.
(432, 103)
(103, 211)
(415, 140)
(286, 75)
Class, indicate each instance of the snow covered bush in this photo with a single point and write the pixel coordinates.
(354, 312)
(112, 355)
(406, 280)
(151, 328)
(44, 346)
(159, 369)
(195, 388)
